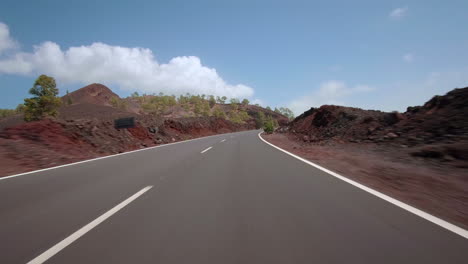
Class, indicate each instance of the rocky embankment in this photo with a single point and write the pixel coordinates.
(419, 156)
(52, 142)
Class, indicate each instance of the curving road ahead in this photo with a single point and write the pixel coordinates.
(223, 199)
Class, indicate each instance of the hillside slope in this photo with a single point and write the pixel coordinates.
(84, 127)
(443, 119)
(95, 93)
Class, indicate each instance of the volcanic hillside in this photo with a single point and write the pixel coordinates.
(84, 127)
(438, 129)
(442, 119)
(95, 93)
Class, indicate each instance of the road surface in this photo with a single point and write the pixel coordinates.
(228, 198)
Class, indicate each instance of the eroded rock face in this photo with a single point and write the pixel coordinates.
(443, 119)
(52, 142)
(330, 121)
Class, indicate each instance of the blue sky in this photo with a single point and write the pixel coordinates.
(371, 54)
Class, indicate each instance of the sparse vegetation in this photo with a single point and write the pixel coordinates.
(158, 104)
(219, 113)
(203, 106)
(7, 112)
(10, 112)
(270, 125)
(212, 101)
(118, 103)
(259, 120)
(235, 117)
(45, 101)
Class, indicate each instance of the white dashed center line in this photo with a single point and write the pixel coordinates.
(206, 150)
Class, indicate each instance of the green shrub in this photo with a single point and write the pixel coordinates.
(205, 108)
(212, 101)
(219, 113)
(235, 118)
(269, 127)
(118, 103)
(244, 116)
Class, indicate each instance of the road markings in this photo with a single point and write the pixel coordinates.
(223, 140)
(206, 150)
(442, 223)
(104, 157)
(70, 239)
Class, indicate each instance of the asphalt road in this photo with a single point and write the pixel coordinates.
(241, 201)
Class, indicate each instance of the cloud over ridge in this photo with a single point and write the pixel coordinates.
(329, 92)
(133, 69)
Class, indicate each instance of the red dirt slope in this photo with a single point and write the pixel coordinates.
(92, 94)
(47, 143)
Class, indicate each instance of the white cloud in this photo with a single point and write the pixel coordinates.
(408, 57)
(6, 42)
(258, 101)
(134, 69)
(398, 13)
(330, 92)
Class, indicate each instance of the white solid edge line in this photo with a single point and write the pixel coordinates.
(442, 223)
(105, 157)
(206, 150)
(70, 239)
(223, 140)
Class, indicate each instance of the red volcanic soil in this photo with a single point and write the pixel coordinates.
(420, 156)
(46, 143)
(36, 145)
(92, 94)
